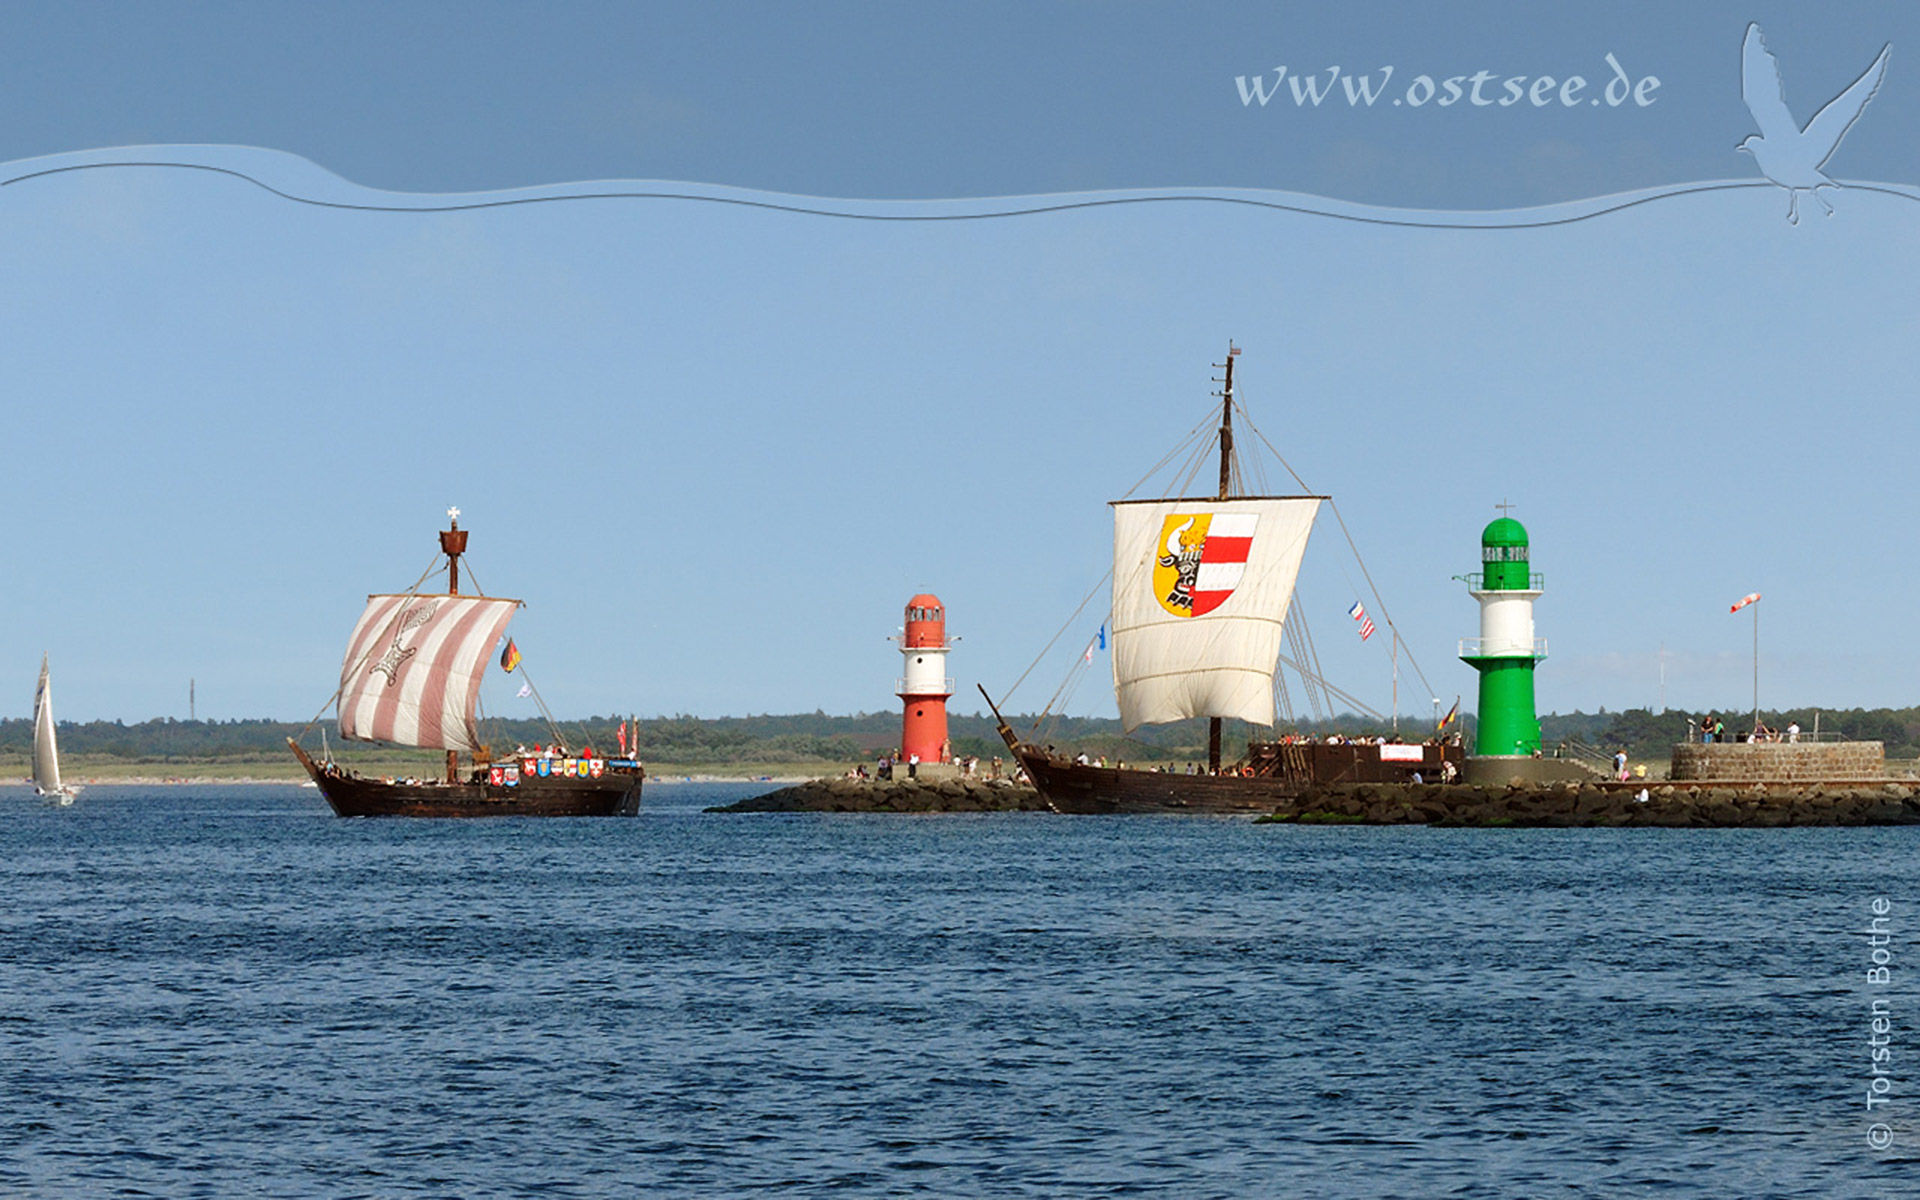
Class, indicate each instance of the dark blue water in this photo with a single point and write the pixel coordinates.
(226, 991)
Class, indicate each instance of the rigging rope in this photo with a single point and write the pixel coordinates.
(1332, 690)
(1192, 453)
(1195, 432)
(1056, 637)
(432, 569)
(1385, 616)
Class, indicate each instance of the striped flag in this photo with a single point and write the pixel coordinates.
(1745, 600)
(510, 657)
(1451, 714)
(1359, 613)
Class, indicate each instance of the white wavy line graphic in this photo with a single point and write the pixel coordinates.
(301, 181)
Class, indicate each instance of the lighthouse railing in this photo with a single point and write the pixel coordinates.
(1502, 648)
(1477, 582)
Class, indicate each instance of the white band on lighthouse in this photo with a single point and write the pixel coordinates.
(1506, 623)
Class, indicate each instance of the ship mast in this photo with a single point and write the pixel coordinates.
(1226, 479)
(453, 543)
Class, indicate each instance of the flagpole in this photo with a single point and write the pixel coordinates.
(552, 725)
(1753, 599)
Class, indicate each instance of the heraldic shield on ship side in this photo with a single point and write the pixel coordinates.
(1202, 587)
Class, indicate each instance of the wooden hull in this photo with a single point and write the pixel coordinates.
(616, 793)
(1278, 774)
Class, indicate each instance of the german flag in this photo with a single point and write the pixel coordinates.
(510, 657)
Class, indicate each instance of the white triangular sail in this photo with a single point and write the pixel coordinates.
(1200, 596)
(412, 671)
(46, 753)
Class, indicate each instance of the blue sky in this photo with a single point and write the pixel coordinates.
(716, 447)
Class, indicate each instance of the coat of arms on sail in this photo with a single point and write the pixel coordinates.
(389, 664)
(1200, 559)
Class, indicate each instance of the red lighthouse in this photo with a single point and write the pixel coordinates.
(924, 685)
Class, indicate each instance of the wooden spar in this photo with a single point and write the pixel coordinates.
(1000, 723)
(1226, 481)
(1226, 427)
(453, 543)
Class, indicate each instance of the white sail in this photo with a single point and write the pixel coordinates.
(413, 667)
(46, 754)
(1200, 596)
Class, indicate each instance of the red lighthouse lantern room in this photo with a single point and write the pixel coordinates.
(924, 684)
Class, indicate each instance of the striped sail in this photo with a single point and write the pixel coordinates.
(413, 666)
(46, 754)
(1200, 596)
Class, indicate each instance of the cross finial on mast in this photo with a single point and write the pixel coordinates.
(1506, 509)
(453, 514)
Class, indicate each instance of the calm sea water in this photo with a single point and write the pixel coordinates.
(228, 992)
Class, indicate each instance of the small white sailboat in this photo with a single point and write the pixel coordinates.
(46, 753)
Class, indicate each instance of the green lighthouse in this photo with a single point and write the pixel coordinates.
(1506, 650)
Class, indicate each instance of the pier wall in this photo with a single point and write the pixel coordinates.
(1798, 762)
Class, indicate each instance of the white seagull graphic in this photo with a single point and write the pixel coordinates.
(1787, 154)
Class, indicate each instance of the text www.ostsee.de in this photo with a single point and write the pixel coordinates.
(1482, 89)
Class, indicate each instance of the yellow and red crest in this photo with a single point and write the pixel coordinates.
(1199, 560)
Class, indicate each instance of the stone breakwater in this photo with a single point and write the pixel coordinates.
(1721, 804)
(897, 796)
(1701, 805)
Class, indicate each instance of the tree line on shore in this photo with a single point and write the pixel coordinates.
(816, 737)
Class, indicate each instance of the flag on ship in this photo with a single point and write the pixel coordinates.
(1099, 642)
(510, 657)
(526, 689)
(1359, 613)
(1449, 718)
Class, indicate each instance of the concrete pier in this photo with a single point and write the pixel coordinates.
(1778, 762)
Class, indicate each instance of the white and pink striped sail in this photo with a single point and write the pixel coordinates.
(413, 666)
